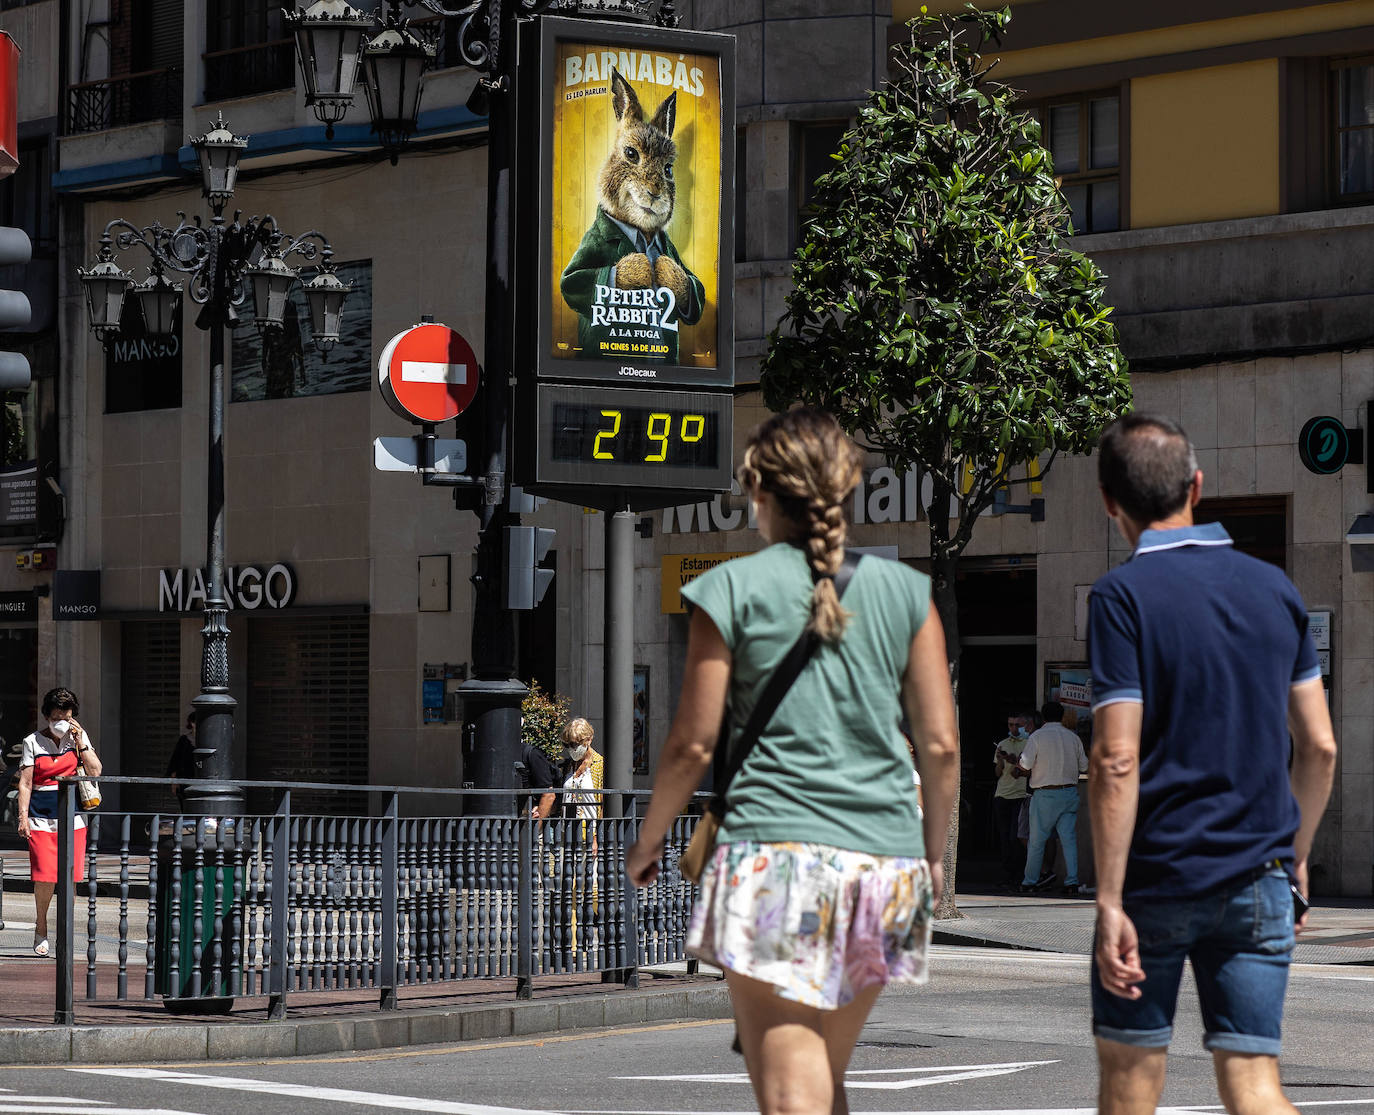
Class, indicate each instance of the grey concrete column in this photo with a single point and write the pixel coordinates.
(618, 705)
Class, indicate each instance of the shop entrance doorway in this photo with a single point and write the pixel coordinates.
(997, 609)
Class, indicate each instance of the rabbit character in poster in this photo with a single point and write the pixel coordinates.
(627, 283)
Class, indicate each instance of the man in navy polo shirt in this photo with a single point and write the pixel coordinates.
(1202, 667)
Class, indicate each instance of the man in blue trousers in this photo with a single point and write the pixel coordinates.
(1052, 760)
(1203, 669)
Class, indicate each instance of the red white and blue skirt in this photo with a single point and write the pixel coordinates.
(43, 820)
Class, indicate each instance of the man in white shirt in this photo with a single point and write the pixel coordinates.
(1053, 759)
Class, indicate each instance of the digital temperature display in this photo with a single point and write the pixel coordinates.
(634, 437)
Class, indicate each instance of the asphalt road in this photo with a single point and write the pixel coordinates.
(1002, 1032)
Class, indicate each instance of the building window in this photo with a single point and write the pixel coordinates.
(284, 364)
(1354, 131)
(151, 714)
(247, 49)
(26, 198)
(815, 144)
(1258, 525)
(1083, 136)
(142, 370)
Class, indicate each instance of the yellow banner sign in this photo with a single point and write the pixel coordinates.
(682, 569)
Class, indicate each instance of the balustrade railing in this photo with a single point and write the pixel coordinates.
(242, 71)
(271, 904)
(113, 102)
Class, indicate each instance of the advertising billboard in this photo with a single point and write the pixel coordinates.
(637, 205)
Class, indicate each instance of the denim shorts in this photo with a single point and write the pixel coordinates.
(1240, 942)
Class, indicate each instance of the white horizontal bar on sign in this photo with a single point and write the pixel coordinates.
(402, 454)
(431, 371)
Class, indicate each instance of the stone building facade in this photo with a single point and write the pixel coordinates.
(1216, 157)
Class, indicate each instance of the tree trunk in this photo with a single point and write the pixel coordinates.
(944, 566)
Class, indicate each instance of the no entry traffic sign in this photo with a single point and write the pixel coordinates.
(428, 373)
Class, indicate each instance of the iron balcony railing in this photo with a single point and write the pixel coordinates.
(243, 71)
(113, 102)
(202, 910)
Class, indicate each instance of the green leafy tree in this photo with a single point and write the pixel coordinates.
(938, 309)
(543, 716)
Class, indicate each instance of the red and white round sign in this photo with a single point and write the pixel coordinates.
(428, 373)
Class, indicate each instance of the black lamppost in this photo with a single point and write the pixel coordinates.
(393, 68)
(221, 260)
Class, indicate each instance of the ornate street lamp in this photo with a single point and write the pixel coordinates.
(272, 281)
(219, 150)
(106, 285)
(329, 45)
(221, 259)
(395, 62)
(160, 299)
(325, 295)
(330, 34)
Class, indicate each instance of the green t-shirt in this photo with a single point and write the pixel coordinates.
(831, 767)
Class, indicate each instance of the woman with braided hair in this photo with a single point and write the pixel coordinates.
(824, 876)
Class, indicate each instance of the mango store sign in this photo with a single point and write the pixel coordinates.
(244, 586)
(881, 497)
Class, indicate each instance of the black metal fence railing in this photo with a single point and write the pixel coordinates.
(94, 106)
(267, 905)
(245, 70)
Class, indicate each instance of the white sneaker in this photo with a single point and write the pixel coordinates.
(40, 946)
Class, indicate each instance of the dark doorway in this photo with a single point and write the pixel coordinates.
(1258, 525)
(997, 676)
(994, 682)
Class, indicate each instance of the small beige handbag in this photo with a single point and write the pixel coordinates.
(87, 790)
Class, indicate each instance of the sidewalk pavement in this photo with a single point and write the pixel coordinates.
(328, 1022)
(1339, 931)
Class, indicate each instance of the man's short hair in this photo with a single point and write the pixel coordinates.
(1146, 464)
(1052, 711)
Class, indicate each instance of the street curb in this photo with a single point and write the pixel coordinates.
(973, 940)
(308, 1037)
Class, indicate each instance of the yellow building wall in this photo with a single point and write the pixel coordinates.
(1205, 144)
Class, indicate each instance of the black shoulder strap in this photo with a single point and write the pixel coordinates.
(787, 672)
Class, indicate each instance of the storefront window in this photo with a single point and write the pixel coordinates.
(284, 365)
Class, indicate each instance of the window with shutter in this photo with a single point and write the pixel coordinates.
(150, 712)
(308, 708)
(247, 49)
(1083, 136)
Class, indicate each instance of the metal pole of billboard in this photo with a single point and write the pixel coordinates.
(619, 666)
(491, 699)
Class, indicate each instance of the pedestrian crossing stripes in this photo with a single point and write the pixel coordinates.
(12, 1103)
(302, 1091)
(65, 1105)
(861, 1079)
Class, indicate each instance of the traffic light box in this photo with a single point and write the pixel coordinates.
(525, 582)
(15, 312)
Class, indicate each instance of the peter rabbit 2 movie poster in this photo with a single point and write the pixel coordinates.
(636, 205)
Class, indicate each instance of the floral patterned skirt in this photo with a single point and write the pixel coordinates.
(818, 923)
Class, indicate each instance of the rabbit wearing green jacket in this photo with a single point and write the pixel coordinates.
(626, 281)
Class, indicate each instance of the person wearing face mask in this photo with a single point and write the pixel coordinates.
(582, 772)
(582, 779)
(1007, 800)
(52, 752)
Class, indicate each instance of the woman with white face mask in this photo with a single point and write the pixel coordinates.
(54, 751)
(583, 778)
(582, 772)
